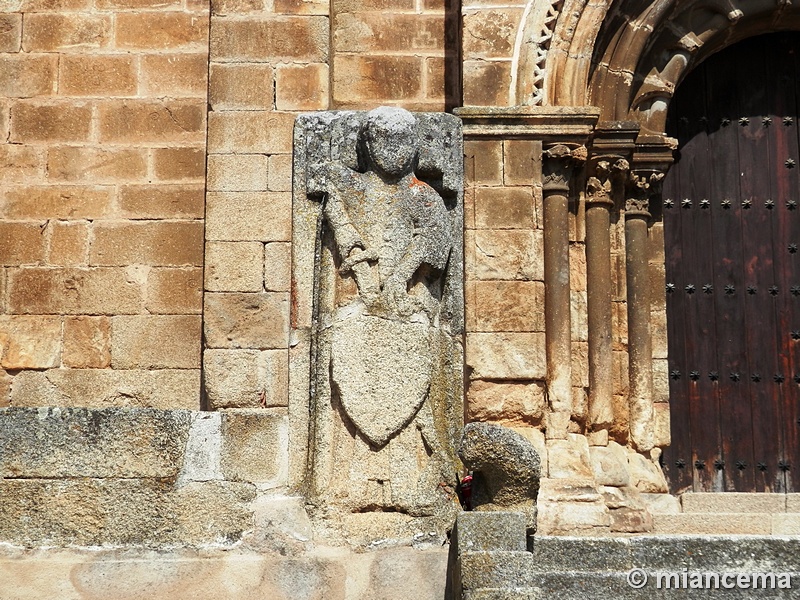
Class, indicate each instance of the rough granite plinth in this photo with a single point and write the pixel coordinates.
(135, 477)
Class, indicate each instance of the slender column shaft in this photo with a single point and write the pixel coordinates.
(557, 173)
(598, 304)
(640, 354)
(556, 300)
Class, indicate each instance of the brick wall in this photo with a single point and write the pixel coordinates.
(103, 119)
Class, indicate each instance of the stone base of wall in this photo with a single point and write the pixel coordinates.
(137, 574)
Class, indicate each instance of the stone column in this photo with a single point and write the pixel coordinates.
(599, 203)
(558, 164)
(641, 185)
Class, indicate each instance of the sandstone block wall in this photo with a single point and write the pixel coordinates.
(489, 47)
(103, 119)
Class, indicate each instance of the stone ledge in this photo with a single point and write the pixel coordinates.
(714, 524)
(733, 502)
(550, 123)
(665, 552)
(329, 574)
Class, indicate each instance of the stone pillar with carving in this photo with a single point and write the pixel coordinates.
(378, 319)
(641, 186)
(559, 162)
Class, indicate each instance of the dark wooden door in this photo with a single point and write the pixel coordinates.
(732, 232)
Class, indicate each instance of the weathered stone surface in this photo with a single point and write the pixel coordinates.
(233, 266)
(504, 208)
(247, 320)
(483, 162)
(77, 574)
(87, 342)
(610, 464)
(393, 364)
(237, 172)
(277, 267)
(574, 518)
(30, 342)
(788, 524)
(174, 291)
(663, 504)
(537, 439)
(51, 443)
(569, 458)
(93, 291)
(506, 355)
(148, 512)
(733, 502)
(716, 524)
(497, 569)
(507, 403)
(505, 254)
(631, 520)
(229, 215)
(478, 531)
(506, 469)
(104, 388)
(155, 342)
(281, 525)
(645, 474)
(621, 497)
(245, 378)
(505, 306)
(254, 445)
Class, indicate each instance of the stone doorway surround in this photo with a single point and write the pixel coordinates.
(587, 88)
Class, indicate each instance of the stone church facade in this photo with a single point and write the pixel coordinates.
(156, 297)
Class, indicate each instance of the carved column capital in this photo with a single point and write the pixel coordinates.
(559, 162)
(604, 173)
(642, 184)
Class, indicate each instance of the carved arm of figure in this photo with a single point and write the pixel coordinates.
(355, 255)
(430, 244)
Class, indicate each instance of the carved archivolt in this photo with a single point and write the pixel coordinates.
(533, 42)
(626, 59)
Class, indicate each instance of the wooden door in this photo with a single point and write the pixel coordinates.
(732, 231)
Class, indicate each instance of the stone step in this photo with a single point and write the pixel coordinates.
(504, 594)
(497, 569)
(555, 554)
(739, 502)
(728, 523)
(614, 586)
(571, 568)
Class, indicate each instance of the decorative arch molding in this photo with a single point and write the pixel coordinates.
(628, 56)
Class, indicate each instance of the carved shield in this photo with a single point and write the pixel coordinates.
(382, 370)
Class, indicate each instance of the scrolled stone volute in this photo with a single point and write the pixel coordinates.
(506, 469)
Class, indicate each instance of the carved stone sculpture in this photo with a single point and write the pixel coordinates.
(385, 365)
(506, 470)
